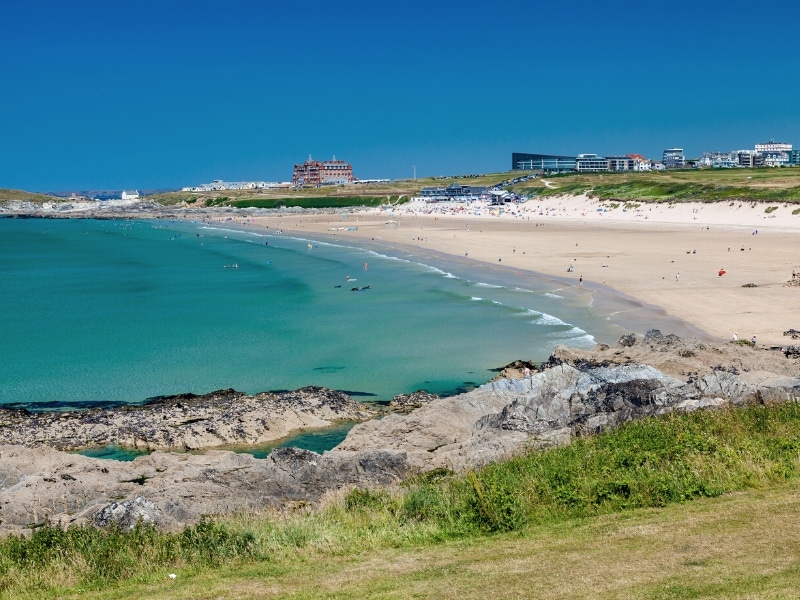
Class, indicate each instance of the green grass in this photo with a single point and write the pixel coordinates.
(708, 185)
(319, 202)
(23, 196)
(646, 464)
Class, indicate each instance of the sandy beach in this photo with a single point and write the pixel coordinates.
(666, 257)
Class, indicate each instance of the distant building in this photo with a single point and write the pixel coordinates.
(673, 158)
(773, 146)
(218, 185)
(620, 163)
(794, 158)
(750, 158)
(719, 160)
(328, 172)
(640, 163)
(548, 163)
(590, 163)
(776, 154)
(134, 195)
(455, 191)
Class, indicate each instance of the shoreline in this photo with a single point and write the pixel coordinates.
(663, 264)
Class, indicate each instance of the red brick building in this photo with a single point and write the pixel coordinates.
(314, 172)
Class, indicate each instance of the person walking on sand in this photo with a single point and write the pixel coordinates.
(677, 276)
(753, 340)
(580, 281)
(735, 336)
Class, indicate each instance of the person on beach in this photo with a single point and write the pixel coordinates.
(735, 336)
(753, 340)
(580, 281)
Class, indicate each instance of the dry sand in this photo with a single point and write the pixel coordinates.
(663, 256)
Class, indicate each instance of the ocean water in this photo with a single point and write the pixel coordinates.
(105, 311)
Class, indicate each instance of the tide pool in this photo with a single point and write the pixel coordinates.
(99, 311)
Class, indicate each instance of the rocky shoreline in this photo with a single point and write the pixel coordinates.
(185, 421)
(575, 393)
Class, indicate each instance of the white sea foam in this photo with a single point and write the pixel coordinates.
(488, 285)
(545, 319)
(476, 299)
(549, 295)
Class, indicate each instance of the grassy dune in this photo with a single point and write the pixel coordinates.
(708, 185)
(607, 516)
(23, 196)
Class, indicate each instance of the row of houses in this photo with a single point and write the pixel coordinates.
(770, 154)
(219, 185)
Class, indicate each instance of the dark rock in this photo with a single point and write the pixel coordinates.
(128, 513)
(627, 340)
(405, 403)
(792, 351)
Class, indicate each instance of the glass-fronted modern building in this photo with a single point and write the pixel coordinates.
(548, 163)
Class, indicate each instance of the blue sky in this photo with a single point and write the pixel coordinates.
(120, 94)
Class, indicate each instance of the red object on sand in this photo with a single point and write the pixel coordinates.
(721, 272)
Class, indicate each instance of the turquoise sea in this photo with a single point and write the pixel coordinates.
(107, 311)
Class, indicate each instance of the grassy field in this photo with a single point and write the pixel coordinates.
(707, 185)
(22, 196)
(703, 505)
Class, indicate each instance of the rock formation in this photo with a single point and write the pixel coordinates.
(187, 421)
(579, 393)
(169, 490)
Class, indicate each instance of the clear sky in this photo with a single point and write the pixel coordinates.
(163, 94)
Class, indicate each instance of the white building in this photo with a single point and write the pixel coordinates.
(773, 146)
(134, 195)
(776, 154)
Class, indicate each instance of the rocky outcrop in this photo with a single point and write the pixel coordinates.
(579, 393)
(187, 421)
(170, 490)
(405, 403)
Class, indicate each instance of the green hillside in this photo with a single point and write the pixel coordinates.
(23, 196)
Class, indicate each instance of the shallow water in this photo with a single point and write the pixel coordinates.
(119, 311)
(318, 441)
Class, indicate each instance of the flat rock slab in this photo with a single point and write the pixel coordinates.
(170, 490)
